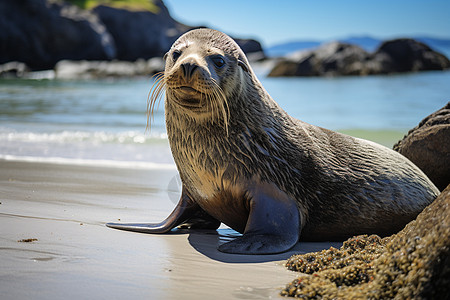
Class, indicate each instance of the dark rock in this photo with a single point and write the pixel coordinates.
(427, 145)
(406, 55)
(341, 59)
(328, 60)
(291, 68)
(140, 34)
(249, 45)
(252, 48)
(39, 33)
(144, 34)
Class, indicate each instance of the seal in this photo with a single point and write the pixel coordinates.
(245, 162)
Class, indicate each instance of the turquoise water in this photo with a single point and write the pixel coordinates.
(106, 119)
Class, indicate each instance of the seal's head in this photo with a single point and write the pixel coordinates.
(204, 67)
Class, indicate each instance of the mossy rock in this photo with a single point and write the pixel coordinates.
(412, 264)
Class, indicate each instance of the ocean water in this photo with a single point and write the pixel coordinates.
(104, 121)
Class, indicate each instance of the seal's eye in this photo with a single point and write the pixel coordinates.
(175, 55)
(218, 61)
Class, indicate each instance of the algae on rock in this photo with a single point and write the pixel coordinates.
(412, 264)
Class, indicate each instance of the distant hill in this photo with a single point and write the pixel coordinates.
(366, 42)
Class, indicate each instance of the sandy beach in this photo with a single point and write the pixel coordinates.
(65, 207)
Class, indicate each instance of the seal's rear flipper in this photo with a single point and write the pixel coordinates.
(199, 220)
(187, 214)
(141, 227)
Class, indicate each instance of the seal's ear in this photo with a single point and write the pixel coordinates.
(243, 65)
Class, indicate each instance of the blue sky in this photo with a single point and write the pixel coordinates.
(277, 21)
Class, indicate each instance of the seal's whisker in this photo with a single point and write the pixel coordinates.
(218, 103)
(206, 98)
(157, 77)
(215, 99)
(214, 105)
(151, 94)
(211, 105)
(154, 96)
(222, 103)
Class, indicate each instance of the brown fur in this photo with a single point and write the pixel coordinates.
(233, 137)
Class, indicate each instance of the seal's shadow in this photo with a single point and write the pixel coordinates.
(207, 241)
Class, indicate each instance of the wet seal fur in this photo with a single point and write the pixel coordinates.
(245, 162)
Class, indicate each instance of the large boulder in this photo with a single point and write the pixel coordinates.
(427, 145)
(140, 34)
(340, 59)
(39, 33)
(252, 48)
(407, 55)
(412, 264)
(331, 59)
(146, 34)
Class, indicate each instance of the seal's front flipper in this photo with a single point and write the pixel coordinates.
(273, 225)
(186, 212)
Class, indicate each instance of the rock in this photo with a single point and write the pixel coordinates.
(408, 55)
(144, 34)
(331, 59)
(141, 34)
(40, 33)
(341, 59)
(106, 69)
(13, 69)
(252, 48)
(412, 264)
(427, 145)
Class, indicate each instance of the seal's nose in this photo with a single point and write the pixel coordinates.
(188, 69)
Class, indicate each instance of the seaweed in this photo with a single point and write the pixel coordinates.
(412, 264)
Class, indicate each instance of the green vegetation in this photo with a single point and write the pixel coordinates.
(384, 137)
(133, 5)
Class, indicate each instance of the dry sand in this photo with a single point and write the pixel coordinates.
(76, 256)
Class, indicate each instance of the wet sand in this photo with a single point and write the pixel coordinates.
(65, 207)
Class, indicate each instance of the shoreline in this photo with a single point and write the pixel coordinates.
(121, 164)
(65, 208)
